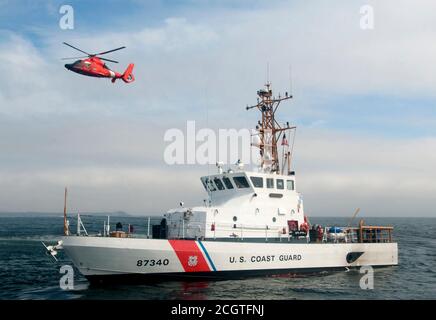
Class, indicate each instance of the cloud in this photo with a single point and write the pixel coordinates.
(211, 55)
(99, 189)
(106, 140)
(384, 177)
(107, 168)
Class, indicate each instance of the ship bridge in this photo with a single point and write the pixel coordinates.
(234, 187)
(243, 205)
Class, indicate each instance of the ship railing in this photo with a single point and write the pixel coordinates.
(361, 234)
(373, 234)
(197, 229)
(245, 230)
(239, 231)
(140, 232)
(119, 233)
(242, 231)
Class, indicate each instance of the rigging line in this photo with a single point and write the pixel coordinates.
(292, 147)
(285, 153)
(208, 163)
(283, 158)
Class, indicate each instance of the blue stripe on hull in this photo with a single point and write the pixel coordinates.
(207, 255)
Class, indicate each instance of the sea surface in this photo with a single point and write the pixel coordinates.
(26, 272)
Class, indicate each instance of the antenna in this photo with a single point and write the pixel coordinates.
(290, 80)
(267, 72)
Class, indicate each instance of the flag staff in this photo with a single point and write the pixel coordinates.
(66, 229)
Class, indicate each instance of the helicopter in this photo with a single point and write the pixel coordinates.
(93, 66)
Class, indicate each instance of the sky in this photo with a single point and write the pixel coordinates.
(364, 100)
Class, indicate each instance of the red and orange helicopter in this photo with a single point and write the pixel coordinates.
(93, 66)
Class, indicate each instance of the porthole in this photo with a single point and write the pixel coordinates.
(293, 212)
(215, 212)
(257, 211)
(235, 218)
(274, 219)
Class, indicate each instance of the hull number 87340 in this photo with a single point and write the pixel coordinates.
(152, 263)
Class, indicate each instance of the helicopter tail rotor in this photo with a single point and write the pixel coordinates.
(128, 75)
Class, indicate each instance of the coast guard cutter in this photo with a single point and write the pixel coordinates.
(252, 224)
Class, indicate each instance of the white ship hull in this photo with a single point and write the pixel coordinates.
(100, 258)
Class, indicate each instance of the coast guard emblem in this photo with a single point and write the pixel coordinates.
(192, 261)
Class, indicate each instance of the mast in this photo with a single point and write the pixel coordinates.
(66, 231)
(269, 129)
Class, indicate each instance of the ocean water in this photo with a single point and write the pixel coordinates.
(26, 272)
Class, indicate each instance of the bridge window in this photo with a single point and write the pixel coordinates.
(210, 185)
(257, 181)
(241, 182)
(219, 183)
(280, 184)
(290, 184)
(228, 183)
(204, 184)
(270, 183)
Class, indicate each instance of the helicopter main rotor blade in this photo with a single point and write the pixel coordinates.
(75, 58)
(108, 60)
(67, 44)
(104, 52)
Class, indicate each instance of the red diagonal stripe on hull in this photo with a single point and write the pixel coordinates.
(190, 255)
